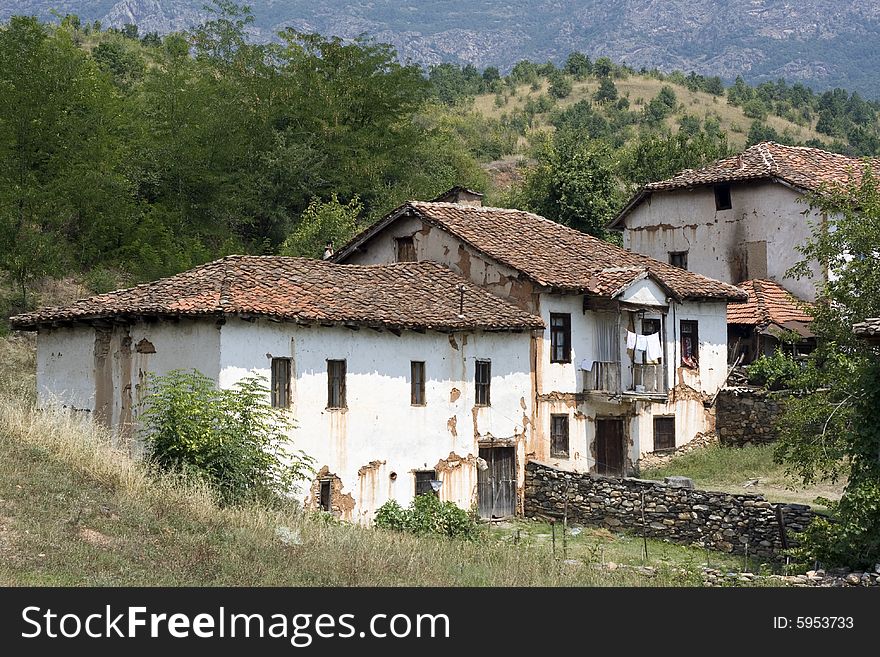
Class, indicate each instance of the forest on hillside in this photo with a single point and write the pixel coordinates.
(125, 156)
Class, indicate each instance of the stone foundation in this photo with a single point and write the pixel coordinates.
(746, 416)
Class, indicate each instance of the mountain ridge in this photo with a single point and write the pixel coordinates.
(823, 44)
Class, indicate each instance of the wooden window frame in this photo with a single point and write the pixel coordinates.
(332, 376)
(563, 330)
(405, 249)
(692, 360)
(723, 199)
(664, 419)
(557, 421)
(418, 478)
(483, 385)
(280, 382)
(417, 383)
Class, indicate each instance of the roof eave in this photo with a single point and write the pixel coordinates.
(629, 207)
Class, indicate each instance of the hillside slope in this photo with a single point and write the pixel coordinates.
(826, 43)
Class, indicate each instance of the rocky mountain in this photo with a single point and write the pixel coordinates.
(825, 43)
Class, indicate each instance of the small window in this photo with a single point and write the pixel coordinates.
(678, 259)
(690, 344)
(406, 249)
(325, 502)
(722, 197)
(280, 382)
(423, 482)
(559, 436)
(417, 385)
(560, 337)
(482, 379)
(336, 384)
(664, 433)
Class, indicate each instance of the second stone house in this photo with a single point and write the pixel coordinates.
(633, 349)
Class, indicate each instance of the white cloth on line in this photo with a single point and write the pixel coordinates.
(641, 342)
(630, 340)
(586, 364)
(654, 350)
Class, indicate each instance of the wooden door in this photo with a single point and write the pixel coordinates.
(496, 485)
(609, 446)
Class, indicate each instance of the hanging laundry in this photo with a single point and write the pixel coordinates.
(654, 349)
(587, 364)
(641, 342)
(630, 340)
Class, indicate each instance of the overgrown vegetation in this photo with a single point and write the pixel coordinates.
(426, 514)
(830, 429)
(233, 438)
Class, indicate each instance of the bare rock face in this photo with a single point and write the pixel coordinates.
(825, 43)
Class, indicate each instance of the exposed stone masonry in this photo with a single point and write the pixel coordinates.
(746, 416)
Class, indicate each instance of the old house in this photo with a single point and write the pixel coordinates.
(771, 314)
(869, 330)
(632, 348)
(400, 377)
(740, 218)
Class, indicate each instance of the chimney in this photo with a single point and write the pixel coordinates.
(461, 196)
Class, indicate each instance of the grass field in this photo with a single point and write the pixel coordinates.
(727, 469)
(640, 90)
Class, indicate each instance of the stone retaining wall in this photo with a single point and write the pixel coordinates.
(741, 524)
(746, 416)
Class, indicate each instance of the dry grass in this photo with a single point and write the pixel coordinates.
(76, 509)
(640, 90)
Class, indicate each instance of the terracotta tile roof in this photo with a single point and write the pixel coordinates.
(769, 303)
(807, 168)
(869, 329)
(422, 295)
(551, 254)
(803, 167)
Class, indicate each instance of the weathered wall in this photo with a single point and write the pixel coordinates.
(730, 523)
(380, 433)
(719, 242)
(745, 416)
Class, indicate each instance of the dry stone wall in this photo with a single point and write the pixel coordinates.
(745, 416)
(740, 524)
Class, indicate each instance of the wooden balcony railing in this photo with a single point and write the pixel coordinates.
(603, 377)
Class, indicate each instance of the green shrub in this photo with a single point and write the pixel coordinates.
(234, 438)
(426, 514)
(774, 372)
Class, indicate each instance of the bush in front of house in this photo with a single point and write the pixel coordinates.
(426, 514)
(234, 439)
(775, 372)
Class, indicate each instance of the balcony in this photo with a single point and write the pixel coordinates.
(648, 379)
(603, 377)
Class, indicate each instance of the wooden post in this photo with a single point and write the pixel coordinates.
(553, 531)
(644, 527)
(565, 524)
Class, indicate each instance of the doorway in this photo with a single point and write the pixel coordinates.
(609, 446)
(496, 485)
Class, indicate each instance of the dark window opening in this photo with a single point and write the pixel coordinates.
(559, 436)
(280, 384)
(417, 383)
(678, 259)
(336, 384)
(406, 249)
(560, 337)
(690, 344)
(325, 496)
(664, 433)
(482, 379)
(423, 482)
(722, 197)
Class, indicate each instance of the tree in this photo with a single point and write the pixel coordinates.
(578, 65)
(560, 84)
(322, 223)
(572, 183)
(659, 156)
(606, 92)
(829, 429)
(232, 438)
(603, 67)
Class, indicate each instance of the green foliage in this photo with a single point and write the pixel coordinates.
(573, 183)
(606, 92)
(657, 156)
(578, 65)
(560, 84)
(426, 514)
(332, 222)
(775, 372)
(233, 438)
(832, 430)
